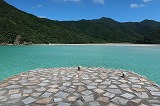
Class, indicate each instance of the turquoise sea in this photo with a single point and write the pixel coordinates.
(144, 60)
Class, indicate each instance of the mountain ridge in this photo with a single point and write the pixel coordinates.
(14, 22)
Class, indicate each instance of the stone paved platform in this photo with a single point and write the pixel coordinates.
(69, 87)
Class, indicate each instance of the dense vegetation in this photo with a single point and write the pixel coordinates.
(29, 28)
(113, 31)
(14, 22)
(152, 38)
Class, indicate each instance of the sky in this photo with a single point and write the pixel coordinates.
(66, 10)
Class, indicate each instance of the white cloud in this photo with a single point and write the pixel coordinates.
(98, 1)
(146, 1)
(66, 1)
(137, 5)
(133, 5)
(72, 0)
(39, 5)
(95, 1)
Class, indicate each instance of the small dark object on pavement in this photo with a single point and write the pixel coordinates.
(79, 68)
(123, 75)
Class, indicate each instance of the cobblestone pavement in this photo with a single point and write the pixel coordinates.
(70, 87)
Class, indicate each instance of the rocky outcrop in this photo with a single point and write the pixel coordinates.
(17, 40)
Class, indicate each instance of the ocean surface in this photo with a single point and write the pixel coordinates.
(144, 60)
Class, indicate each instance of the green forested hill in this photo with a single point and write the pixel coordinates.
(106, 29)
(113, 31)
(152, 38)
(14, 22)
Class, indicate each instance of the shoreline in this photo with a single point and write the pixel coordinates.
(94, 44)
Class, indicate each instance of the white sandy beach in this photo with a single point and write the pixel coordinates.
(96, 44)
(106, 44)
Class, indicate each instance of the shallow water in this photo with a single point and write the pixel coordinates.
(144, 60)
